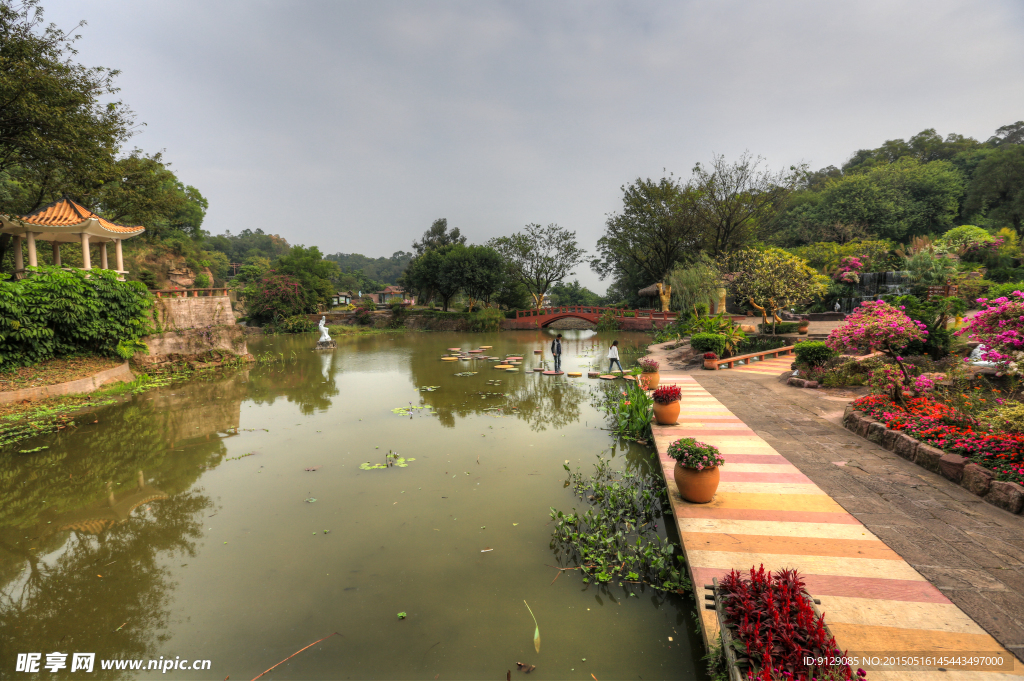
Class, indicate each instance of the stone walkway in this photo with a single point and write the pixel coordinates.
(972, 551)
(784, 503)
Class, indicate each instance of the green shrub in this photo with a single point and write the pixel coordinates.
(399, 313)
(486, 319)
(780, 327)
(363, 316)
(202, 281)
(813, 353)
(1006, 274)
(760, 344)
(63, 312)
(148, 278)
(1008, 418)
(708, 342)
(608, 321)
(294, 324)
(1004, 290)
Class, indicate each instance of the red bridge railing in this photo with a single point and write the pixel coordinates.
(594, 310)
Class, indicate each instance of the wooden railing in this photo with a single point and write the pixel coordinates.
(189, 292)
(728, 361)
(593, 309)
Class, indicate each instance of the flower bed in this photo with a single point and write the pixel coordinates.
(940, 426)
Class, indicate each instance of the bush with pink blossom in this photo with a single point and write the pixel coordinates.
(849, 271)
(999, 326)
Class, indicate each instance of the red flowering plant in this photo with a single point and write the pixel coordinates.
(667, 394)
(710, 355)
(648, 366)
(771, 615)
(692, 454)
(942, 426)
(879, 325)
(999, 327)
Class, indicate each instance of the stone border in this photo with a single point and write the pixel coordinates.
(977, 479)
(81, 385)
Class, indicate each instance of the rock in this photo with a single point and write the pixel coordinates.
(796, 382)
(977, 479)
(851, 418)
(810, 384)
(1008, 496)
(875, 432)
(905, 446)
(865, 424)
(889, 438)
(952, 466)
(928, 457)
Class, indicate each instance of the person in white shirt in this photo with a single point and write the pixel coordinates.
(613, 357)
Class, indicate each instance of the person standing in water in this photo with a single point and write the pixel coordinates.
(613, 357)
(556, 351)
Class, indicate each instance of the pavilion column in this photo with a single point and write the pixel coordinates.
(120, 256)
(56, 253)
(32, 260)
(103, 255)
(86, 260)
(19, 259)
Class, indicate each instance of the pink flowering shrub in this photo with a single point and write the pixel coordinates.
(877, 324)
(886, 380)
(999, 326)
(849, 271)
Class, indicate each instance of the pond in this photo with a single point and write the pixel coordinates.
(238, 518)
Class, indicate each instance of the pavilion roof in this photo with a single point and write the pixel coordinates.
(66, 216)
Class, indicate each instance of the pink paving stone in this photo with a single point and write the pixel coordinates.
(726, 475)
(854, 587)
(700, 511)
(755, 458)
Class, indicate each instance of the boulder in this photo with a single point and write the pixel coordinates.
(1008, 496)
(865, 424)
(928, 457)
(889, 439)
(851, 418)
(905, 446)
(952, 466)
(977, 479)
(875, 432)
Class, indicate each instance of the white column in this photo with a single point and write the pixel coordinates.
(32, 260)
(86, 260)
(19, 260)
(103, 255)
(120, 257)
(56, 253)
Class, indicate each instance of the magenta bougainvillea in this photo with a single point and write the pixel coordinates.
(877, 324)
(999, 326)
(849, 271)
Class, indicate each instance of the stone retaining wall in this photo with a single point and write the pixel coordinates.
(1008, 496)
(175, 314)
(192, 345)
(81, 385)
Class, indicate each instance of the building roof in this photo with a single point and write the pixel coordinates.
(65, 217)
(392, 289)
(648, 292)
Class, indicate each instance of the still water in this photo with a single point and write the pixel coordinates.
(228, 519)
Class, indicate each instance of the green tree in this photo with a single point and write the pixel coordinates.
(57, 134)
(429, 275)
(540, 256)
(739, 202)
(772, 279)
(476, 270)
(695, 284)
(573, 294)
(314, 274)
(997, 188)
(656, 228)
(438, 236)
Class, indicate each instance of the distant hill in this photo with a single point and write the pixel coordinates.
(384, 270)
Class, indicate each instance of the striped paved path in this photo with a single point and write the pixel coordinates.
(767, 512)
(770, 367)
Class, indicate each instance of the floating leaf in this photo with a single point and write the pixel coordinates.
(536, 634)
(310, 500)
(401, 615)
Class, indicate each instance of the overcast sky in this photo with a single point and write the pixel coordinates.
(353, 125)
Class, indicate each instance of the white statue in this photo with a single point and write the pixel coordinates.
(838, 308)
(325, 336)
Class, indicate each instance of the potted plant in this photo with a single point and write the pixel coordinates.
(802, 329)
(651, 377)
(666, 404)
(696, 471)
(709, 358)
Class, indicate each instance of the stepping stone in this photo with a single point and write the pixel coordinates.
(486, 347)
(609, 377)
(575, 374)
(503, 366)
(476, 350)
(593, 374)
(511, 371)
(553, 373)
(538, 369)
(449, 359)
(454, 349)
(538, 352)
(511, 358)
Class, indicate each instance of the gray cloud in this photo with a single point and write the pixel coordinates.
(353, 125)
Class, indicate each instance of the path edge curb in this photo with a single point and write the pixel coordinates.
(78, 386)
(973, 477)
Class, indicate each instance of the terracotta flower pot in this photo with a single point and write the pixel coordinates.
(666, 414)
(802, 330)
(710, 364)
(650, 380)
(696, 486)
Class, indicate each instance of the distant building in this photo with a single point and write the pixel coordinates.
(391, 295)
(342, 298)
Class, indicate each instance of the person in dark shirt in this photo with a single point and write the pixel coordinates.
(556, 351)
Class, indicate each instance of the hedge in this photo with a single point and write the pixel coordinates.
(708, 342)
(59, 312)
(780, 327)
(814, 353)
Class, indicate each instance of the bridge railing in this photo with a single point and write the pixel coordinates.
(594, 309)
